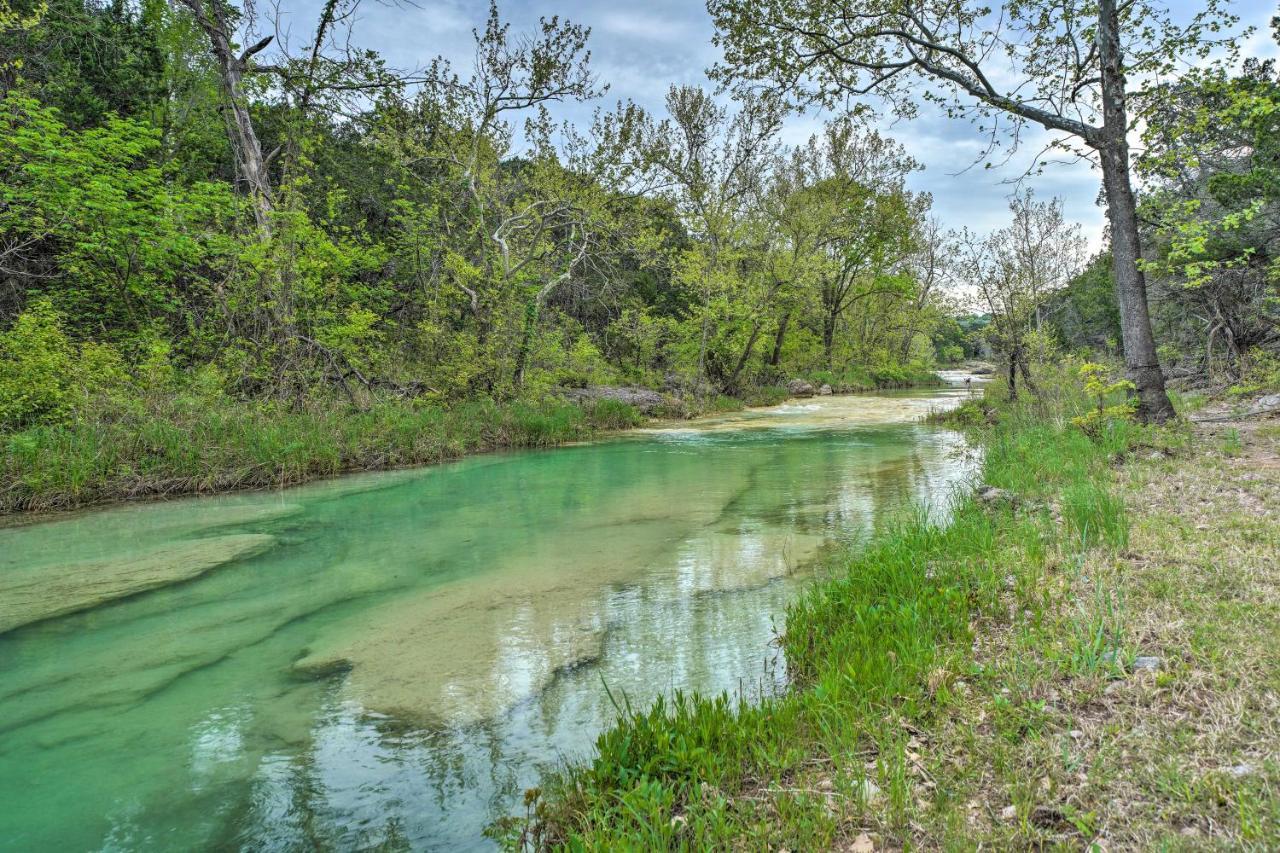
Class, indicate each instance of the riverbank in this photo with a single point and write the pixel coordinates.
(317, 615)
(1085, 654)
(188, 443)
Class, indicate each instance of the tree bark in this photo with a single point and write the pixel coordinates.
(1141, 364)
(775, 358)
(731, 384)
(829, 337)
(244, 139)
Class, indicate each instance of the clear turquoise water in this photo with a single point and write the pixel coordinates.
(416, 646)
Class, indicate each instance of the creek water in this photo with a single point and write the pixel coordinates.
(388, 660)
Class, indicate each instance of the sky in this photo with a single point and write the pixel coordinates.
(641, 48)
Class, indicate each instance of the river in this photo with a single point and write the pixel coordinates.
(389, 660)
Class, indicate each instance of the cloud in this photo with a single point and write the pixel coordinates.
(641, 49)
(647, 27)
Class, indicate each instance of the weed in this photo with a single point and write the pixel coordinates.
(1231, 443)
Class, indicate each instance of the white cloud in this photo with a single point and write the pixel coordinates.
(645, 26)
(641, 49)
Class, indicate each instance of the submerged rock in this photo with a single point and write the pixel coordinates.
(34, 595)
(443, 656)
(799, 388)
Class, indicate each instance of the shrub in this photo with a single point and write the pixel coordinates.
(1260, 371)
(1101, 386)
(35, 363)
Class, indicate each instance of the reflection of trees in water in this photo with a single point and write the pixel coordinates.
(466, 776)
(311, 773)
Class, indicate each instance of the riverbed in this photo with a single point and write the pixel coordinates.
(391, 659)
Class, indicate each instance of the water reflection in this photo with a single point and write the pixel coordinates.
(418, 646)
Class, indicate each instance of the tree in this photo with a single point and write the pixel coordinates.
(1015, 269)
(1070, 63)
(848, 221)
(1212, 165)
(710, 163)
(1084, 315)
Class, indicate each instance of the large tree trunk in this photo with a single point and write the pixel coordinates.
(1141, 364)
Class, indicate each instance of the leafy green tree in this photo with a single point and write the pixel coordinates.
(1016, 269)
(35, 364)
(1065, 66)
(1084, 315)
(87, 219)
(1212, 208)
(90, 61)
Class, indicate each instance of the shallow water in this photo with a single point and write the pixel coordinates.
(414, 647)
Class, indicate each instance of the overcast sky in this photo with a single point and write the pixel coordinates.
(640, 48)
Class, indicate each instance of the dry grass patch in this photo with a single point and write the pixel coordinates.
(1057, 741)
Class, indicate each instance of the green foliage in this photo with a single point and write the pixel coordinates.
(88, 60)
(35, 363)
(1094, 515)
(1084, 316)
(189, 437)
(1260, 373)
(411, 255)
(95, 224)
(864, 650)
(1101, 387)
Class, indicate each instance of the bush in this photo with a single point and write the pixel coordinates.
(1259, 372)
(35, 363)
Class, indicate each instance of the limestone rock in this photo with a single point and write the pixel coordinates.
(993, 495)
(1268, 405)
(645, 399)
(825, 391)
(34, 595)
(1146, 662)
(799, 388)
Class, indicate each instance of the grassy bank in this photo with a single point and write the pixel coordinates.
(188, 442)
(954, 687)
(184, 440)
(857, 378)
(191, 445)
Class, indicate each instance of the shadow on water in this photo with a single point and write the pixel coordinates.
(415, 648)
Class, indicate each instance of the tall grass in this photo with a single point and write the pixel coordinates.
(855, 378)
(872, 654)
(191, 446)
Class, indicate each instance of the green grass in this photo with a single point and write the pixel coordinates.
(190, 445)
(874, 655)
(858, 378)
